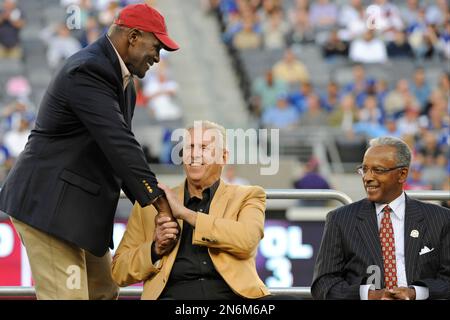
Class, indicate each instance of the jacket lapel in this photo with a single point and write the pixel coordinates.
(413, 221)
(368, 229)
(170, 259)
(127, 98)
(129, 102)
(220, 200)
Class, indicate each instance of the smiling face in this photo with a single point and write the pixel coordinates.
(203, 156)
(386, 187)
(143, 52)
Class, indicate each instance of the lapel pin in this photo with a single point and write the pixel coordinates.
(414, 233)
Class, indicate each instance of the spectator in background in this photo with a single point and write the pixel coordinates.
(330, 99)
(388, 20)
(349, 12)
(323, 14)
(434, 159)
(415, 180)
(437, 12)
(266, 91)
(233, 23)
(399, 47)
(314, 116)
(443, 43)
(370, 113)
(408, 123)
(160, 92)
(369, 49)
(370, 119)
(360, 84)
(421, 37)
(410, 12)
(15, 140)
(13, 113)
(11, 22)
(446, 186)
(298, 98)
(312, 179)
(396, 100)
(437, 119)
(108, 13)
(18, 87)
(91, 32)
(420, 87)
(5, 163)
(391, 126)
(282, 116)
(352, 20)
(290, 69)
(381, 91)
(345, 115)
(141, 99)
(247, 37)
(61, 44)
(274, 30)
(301, 30)
(442, 91)
(334, 47)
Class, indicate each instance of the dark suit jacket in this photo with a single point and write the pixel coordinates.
(351, 243)
(80, 154)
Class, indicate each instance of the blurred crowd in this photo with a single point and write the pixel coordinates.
(415, 108)
(62, 36)
(363, 33)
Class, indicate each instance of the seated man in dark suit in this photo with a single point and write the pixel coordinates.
(221, 226)
(387, 246)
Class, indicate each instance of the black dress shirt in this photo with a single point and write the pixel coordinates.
(193, 274)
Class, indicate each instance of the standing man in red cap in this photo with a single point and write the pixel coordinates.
(63, 191)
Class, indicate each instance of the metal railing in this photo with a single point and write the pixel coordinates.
(429, 194)
(135, 292)
(316, 194)
(309, 194)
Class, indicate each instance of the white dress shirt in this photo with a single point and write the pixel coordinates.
(126, 74)
(398, 224)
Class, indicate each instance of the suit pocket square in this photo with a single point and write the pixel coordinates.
(425, 250)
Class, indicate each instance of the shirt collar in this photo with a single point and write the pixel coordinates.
(395, 206)
(126, 74)
(210, 191)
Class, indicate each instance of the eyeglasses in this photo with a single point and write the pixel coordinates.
(362, 170)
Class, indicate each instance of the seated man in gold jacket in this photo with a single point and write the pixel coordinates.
(221, 226)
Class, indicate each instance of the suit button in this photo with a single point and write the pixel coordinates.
(203, 239)
(204, 262)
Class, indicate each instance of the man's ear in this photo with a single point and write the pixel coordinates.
(403, 175)
(225, 155)
(133, 35)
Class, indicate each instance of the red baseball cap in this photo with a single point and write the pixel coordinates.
(145, 18)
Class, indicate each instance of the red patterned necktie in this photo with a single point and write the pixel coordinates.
(388, 249)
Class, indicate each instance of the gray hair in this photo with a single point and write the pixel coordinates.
(210, 125)
(403, 152)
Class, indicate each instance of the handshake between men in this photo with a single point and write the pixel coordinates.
(167, 228)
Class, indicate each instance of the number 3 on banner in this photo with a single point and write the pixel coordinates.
(282, 275)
